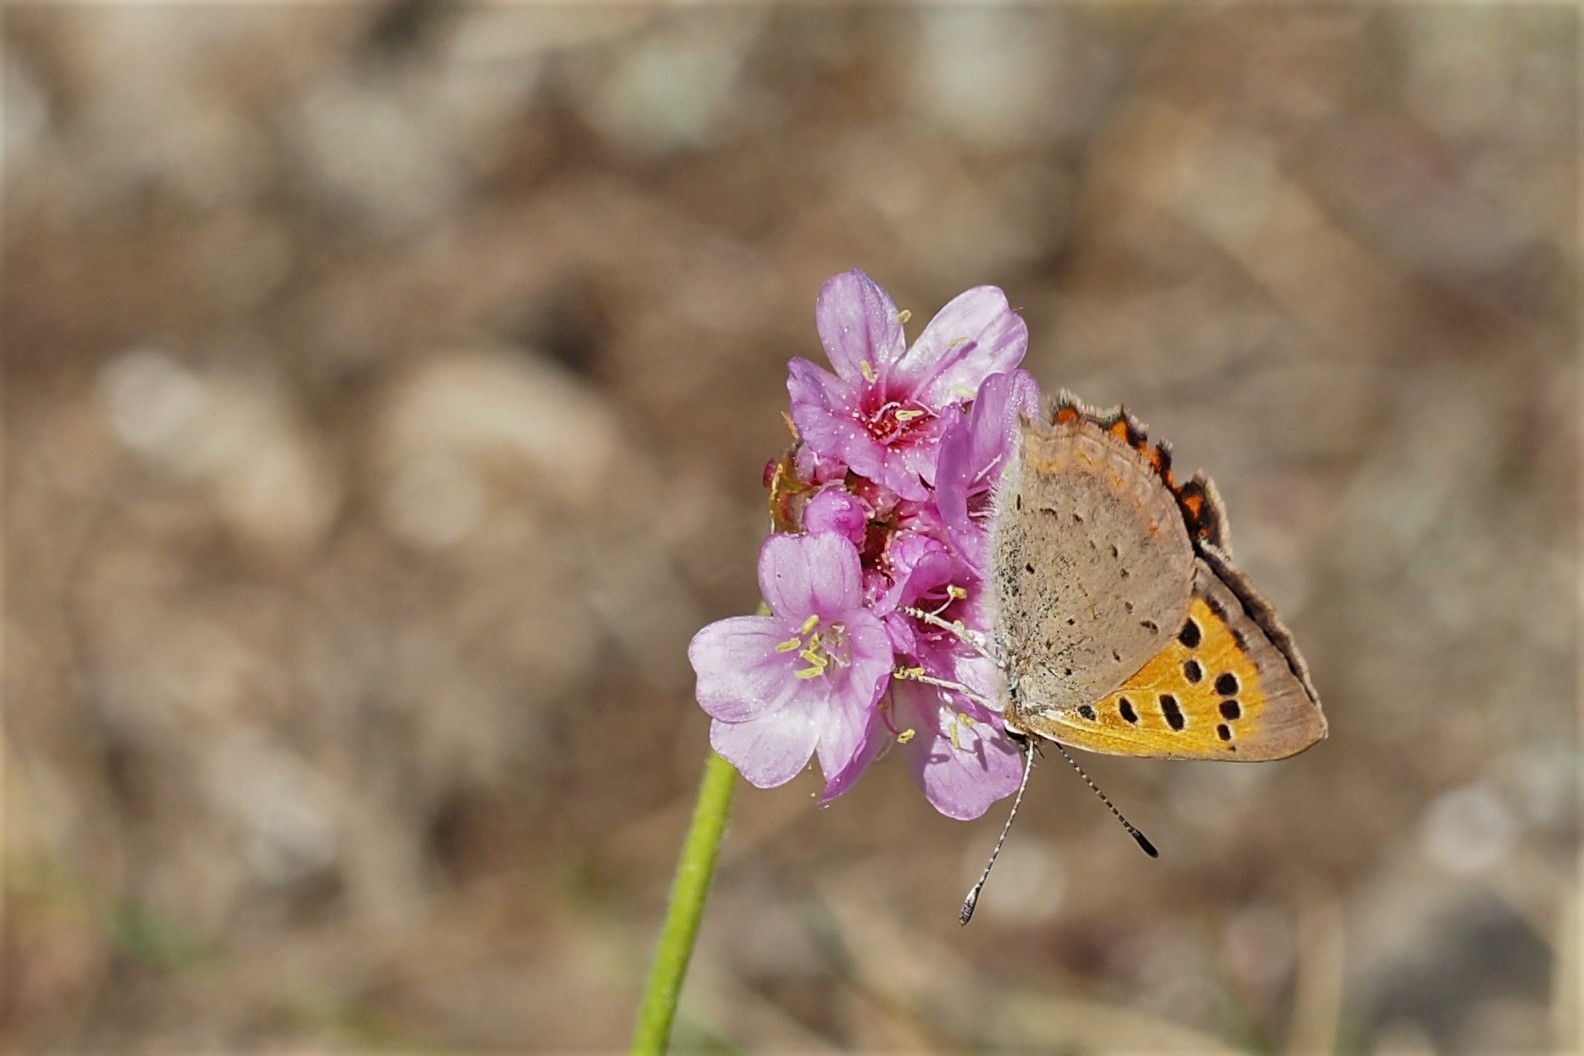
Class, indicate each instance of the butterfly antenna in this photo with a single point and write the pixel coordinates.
(1142, 840)
(966, 913)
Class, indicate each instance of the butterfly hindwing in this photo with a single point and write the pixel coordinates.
(1230, 686)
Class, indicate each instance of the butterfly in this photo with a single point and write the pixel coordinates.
(1118, 619)
(1123, 624)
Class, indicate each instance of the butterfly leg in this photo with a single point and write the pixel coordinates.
(956, 629)
(917, 674)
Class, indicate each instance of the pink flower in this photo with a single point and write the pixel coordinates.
(880, 413)
(804, 679)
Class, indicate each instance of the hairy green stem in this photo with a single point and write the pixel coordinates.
(689, 889)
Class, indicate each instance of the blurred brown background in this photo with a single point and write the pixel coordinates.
(386, 395)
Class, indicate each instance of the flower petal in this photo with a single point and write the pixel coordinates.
(836, 510)
(963, 783)
(918, 564)
(899, 469)
(910, 467)
(740, 674)
(874, 741)
(846, 696)
(848, 741)
(842, 733)
(983, 677)
(810, 575)
(858, 324)
(977, 334)
(963, 767)
(976, 448)
(822, 408)
(770, 750)
(869, 659)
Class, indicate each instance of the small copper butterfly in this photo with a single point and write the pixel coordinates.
(1124, 626)
(1119, 621)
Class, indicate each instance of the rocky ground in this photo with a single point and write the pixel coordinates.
(387, 390)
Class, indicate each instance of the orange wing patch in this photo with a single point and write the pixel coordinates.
(1198, 698)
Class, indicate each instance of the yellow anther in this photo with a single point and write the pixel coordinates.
(904, 315)
(956, 744)
(908, 416)
(906, 735)
(815, 658)
(954, 591)
(789, 645)
(810, 672)
(968, 720)
(809, 624)
(963, 391)
(866, 370)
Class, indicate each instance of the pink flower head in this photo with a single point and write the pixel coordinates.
(878, 513)
(880, 413)
(803, 679)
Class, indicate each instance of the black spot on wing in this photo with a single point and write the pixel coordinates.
(1172, 711)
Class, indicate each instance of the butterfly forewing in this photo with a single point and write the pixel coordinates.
(1093, 564)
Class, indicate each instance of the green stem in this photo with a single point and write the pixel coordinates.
(688, 891)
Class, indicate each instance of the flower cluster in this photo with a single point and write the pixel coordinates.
(878, 509)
